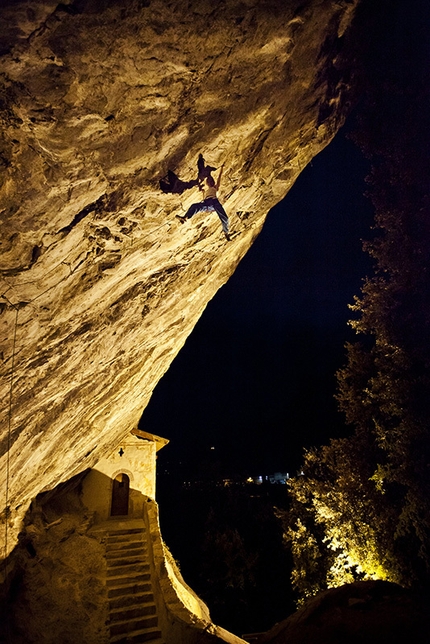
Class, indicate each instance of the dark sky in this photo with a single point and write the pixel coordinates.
(256, 377)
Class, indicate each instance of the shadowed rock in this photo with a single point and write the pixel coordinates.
(375, 612)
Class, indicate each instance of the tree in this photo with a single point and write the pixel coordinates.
(369, 494)
(340, 524)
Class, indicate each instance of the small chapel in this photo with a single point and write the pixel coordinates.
(119, 484)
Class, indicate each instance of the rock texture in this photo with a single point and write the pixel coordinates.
(58, 592)
(100, 283)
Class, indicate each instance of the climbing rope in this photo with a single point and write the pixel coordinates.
(5, 621)
(9, 431)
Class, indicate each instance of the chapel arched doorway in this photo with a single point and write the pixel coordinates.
(120, 495)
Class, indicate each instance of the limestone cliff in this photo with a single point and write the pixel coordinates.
(101, 284)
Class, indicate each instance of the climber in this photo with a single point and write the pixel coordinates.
(210, 202)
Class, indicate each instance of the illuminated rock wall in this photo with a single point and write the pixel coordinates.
(101, 284)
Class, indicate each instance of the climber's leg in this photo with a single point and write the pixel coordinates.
(193, 209)
(221, 214)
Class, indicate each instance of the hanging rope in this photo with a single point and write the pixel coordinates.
(9, 431)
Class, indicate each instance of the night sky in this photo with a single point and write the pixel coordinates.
(256, 378)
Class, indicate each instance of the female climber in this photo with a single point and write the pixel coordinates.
(210, 202)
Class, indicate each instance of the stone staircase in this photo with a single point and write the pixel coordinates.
(132, 610)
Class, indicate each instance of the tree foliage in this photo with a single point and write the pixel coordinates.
(363, 505)
(340, 523)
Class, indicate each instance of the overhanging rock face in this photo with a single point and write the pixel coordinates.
(101, 284)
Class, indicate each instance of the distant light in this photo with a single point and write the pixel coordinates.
(212, 447)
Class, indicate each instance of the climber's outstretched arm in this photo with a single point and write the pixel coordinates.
(218, 183)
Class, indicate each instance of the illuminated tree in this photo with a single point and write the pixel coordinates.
(340, 525)
(369, 494)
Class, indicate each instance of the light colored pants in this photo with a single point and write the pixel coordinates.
(206, 206)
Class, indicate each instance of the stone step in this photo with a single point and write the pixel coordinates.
(142, 555)
(125, 531)
(126, 580)
(130, 625)
(127, 552)
(131, 600)
(126, 546)
(122, 536)
(123, 542)
(129, 589)
(124, 560)
(136, 637)
(132, 569)
(132, 612)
